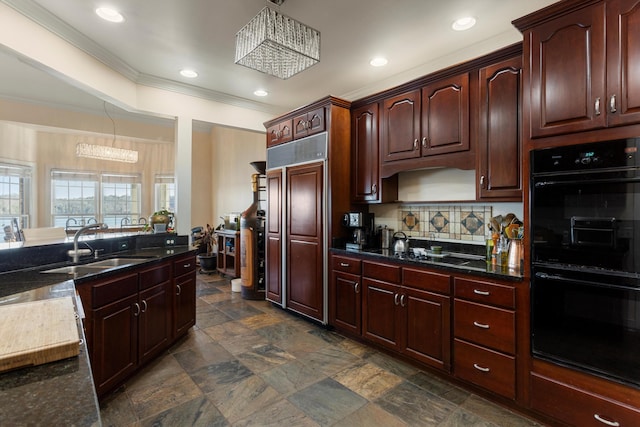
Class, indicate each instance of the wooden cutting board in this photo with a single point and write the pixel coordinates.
(38, 332)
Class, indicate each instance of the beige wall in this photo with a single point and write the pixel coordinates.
(46, 139)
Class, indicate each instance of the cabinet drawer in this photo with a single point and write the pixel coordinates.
(108, 291)
(486, 368)
(490, 326)
(485, 292)
(578, 407)
(426, 280)
(184, 266)
(384, 272)
(154, 275)
(346, 265)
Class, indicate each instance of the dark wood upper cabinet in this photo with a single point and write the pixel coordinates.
(309, 123)
(623, 61)
(279, 133)
(499, 145)
(366, 183)
(445, 116)
(585, 66)
(401, 127)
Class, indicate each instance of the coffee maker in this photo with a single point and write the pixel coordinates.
(362, 226)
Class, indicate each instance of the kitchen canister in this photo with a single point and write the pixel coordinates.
(386, 237)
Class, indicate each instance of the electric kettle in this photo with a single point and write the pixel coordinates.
(400, 243)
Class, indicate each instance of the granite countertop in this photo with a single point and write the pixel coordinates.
(61, 392)
(475, 264)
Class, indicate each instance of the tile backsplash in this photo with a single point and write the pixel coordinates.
(464, 223)
(458, 222)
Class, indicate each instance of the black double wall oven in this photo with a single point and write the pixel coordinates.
(585, 265)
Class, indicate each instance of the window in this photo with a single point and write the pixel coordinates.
(120, 199)
(80, 198)
(74, 198)
(165, 193)
(15, 191)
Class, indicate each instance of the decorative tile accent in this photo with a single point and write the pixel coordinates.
(463, 223)
(410, 221)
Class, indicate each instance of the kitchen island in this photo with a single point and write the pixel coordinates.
(61, 392)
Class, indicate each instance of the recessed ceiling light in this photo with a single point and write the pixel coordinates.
(463, 23)
(378, 61)
(188, 73)
(261, 92)
(109, 14)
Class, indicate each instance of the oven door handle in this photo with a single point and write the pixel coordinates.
(633, 180)
(556, 277)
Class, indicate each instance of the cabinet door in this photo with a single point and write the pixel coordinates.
(279, 133)
(308, 123)
(445, 116)
(401, 127)
(274, 237)
(623, 62)
(305, 257)
(184, 307)
(114, 355)
(345, 302)
(568, 73)
(500, 155)
(380, 302)
(427, 330)
(366, 154)
(155, 320)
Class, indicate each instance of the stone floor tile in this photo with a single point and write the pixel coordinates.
(198, 412)
(327, 401)
(264, 357)
(370, 415)
(221, 374)
(368, 380)
(415, 406)
(439, 387)
(292, 376)
(281, 413)
(496, 414)
(460, 417)
(329, 360)
(159, 397)
(200, 356)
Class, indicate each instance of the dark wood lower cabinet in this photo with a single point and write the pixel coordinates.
(132, 317)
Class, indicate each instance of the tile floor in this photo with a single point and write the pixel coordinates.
(248, 363)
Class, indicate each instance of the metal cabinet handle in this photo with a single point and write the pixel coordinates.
(395, 299)
(374, 189)
(607, 422)
(424, 142)
(402, 297)
(482, 181)
(480, 292)
(415, 144)
(597, 106)
(481, 368)
(144, 303)
(344, 264)
(356, 288)
(179, 290)
(481, 325)
(612, 104)
(187, 265)
(137, 313)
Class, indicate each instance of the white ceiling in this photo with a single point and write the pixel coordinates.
(159, 37)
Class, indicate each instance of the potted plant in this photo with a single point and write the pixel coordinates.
(206, 243)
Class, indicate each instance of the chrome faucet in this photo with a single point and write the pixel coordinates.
(75, 253)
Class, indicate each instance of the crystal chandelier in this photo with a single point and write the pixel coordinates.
(276, 44)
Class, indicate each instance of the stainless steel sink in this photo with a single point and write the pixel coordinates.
(115, 262)
(95, 267)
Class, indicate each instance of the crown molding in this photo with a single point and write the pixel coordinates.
(55, 25)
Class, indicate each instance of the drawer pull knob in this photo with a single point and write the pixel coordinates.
(187, 265)
(481, 325)
(481, 368)
(479, 292)
(344, 264)
(607, 422)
